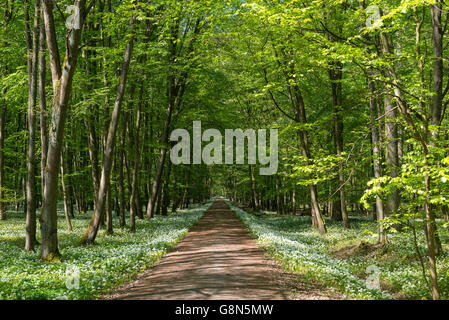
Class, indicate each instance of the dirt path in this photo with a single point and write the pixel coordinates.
(216, 260)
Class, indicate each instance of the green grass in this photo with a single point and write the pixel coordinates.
(113, 260)
(299, 248)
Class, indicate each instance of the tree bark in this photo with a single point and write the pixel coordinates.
(121, 190)
(134, 203)
(32, 61)
(430, 231)
(377, 157)
(93, 155)
(255, 199)
(160, 166)
(2, 155)
(437, 98)
(64, 193)
(42, 105)
(391, 133)
(62, 84)
(109, 217)
(165, 197)
(336, 76)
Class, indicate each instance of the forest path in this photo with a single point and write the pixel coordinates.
(216, 260)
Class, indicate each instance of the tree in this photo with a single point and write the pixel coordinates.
(92, 229)
(32, 61)
(62, 77)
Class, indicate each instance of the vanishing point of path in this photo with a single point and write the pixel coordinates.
(216, 260)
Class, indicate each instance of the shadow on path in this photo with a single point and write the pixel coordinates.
(216, 260)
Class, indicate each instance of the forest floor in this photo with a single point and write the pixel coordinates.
(219, 260)
(86, 272)
(349, 260)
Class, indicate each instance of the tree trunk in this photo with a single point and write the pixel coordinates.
(64, 193)
(391, 134)
(160, 167)
(32, 61)
(437, 97)
(62, 84)
(278, 196)
(176, 86)
(175, 196)
(335, 76)
(2, 155)
(109, 218)
(42, 105)
(430, 231)
(165, 200)
(92, 229)
(300, 114)
(121, 187)
(255, 199)
(297, 103)
(134, 204)
(377, 157)
(93, 155)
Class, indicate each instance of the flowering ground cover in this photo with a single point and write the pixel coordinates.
(346, 259)
(113, 260)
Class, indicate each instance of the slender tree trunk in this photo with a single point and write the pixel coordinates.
(92, 229)
(93, 155)
(297, 102)
(42, 105)
(300, 113)
(33, 52)
(437, 98)
(391, 134)
(377, 157)
(134, 203)
(430, 230)
(62, 84)
(70, 189)
(253, 189)
(2, 155)
(437, 42)
(175, 195)
(278, 196)
(175, 92)
(186, 190)
(160, 167)
(335, 76)
(165, 199)
(8, 14)
(77, 192)
(64, 193)
(109, 218)
(121, 190)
